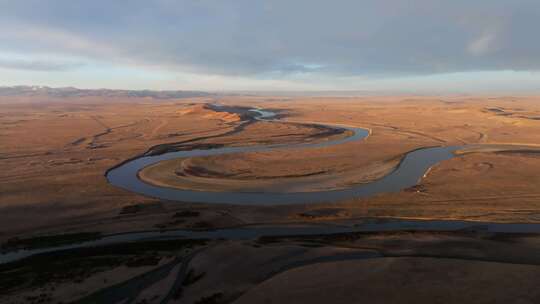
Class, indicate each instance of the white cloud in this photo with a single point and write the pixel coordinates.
(39, 62)
(482, 45)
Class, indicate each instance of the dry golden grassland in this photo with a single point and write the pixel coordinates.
(54, 153)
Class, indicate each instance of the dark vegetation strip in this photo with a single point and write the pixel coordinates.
(79, 263)
(49, 241)
(129, 290)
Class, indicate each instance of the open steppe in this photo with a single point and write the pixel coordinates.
(55, 153)
(61, 148)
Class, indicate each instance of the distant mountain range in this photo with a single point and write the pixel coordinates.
(173, 94)
(75, 92)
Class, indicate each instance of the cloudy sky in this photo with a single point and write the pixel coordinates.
(380, 45)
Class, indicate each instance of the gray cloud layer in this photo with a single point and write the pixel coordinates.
(36, 65)
(258, 38)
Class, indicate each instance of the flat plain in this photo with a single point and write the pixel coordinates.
(55, 153)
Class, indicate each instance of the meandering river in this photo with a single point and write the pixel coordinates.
(411, 169)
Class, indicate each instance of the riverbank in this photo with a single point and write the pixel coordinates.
(251, 269)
